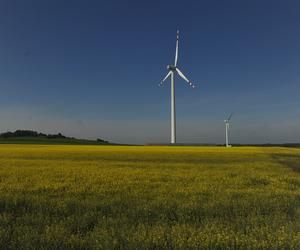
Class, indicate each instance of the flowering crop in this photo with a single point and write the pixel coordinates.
(149, 197)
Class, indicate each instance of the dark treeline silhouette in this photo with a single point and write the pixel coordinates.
(31, 133)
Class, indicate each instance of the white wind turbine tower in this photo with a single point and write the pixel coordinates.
(227, 127)
(173, 69)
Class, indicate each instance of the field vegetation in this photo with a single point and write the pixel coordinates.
(118, 197)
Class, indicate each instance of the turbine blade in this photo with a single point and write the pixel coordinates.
(166, 77)
(176, 53)
(229, 117)
(184, 78)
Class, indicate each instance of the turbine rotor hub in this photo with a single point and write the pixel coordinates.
(171, 67)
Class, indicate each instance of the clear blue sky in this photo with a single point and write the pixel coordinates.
(91, 68)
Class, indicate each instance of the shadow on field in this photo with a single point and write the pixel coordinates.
(291, 161)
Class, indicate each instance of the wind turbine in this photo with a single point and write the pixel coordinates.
(173, 69)
(227, 127)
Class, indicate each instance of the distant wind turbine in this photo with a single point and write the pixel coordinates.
(173, 69)
(227, 127)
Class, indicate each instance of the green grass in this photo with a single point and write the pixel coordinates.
(114, 197)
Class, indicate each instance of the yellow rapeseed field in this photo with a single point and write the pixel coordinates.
(149, 197)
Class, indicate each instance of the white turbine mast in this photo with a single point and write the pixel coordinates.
(227, 128)
(173, 69)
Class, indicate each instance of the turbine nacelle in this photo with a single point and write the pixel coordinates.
(171, 67)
